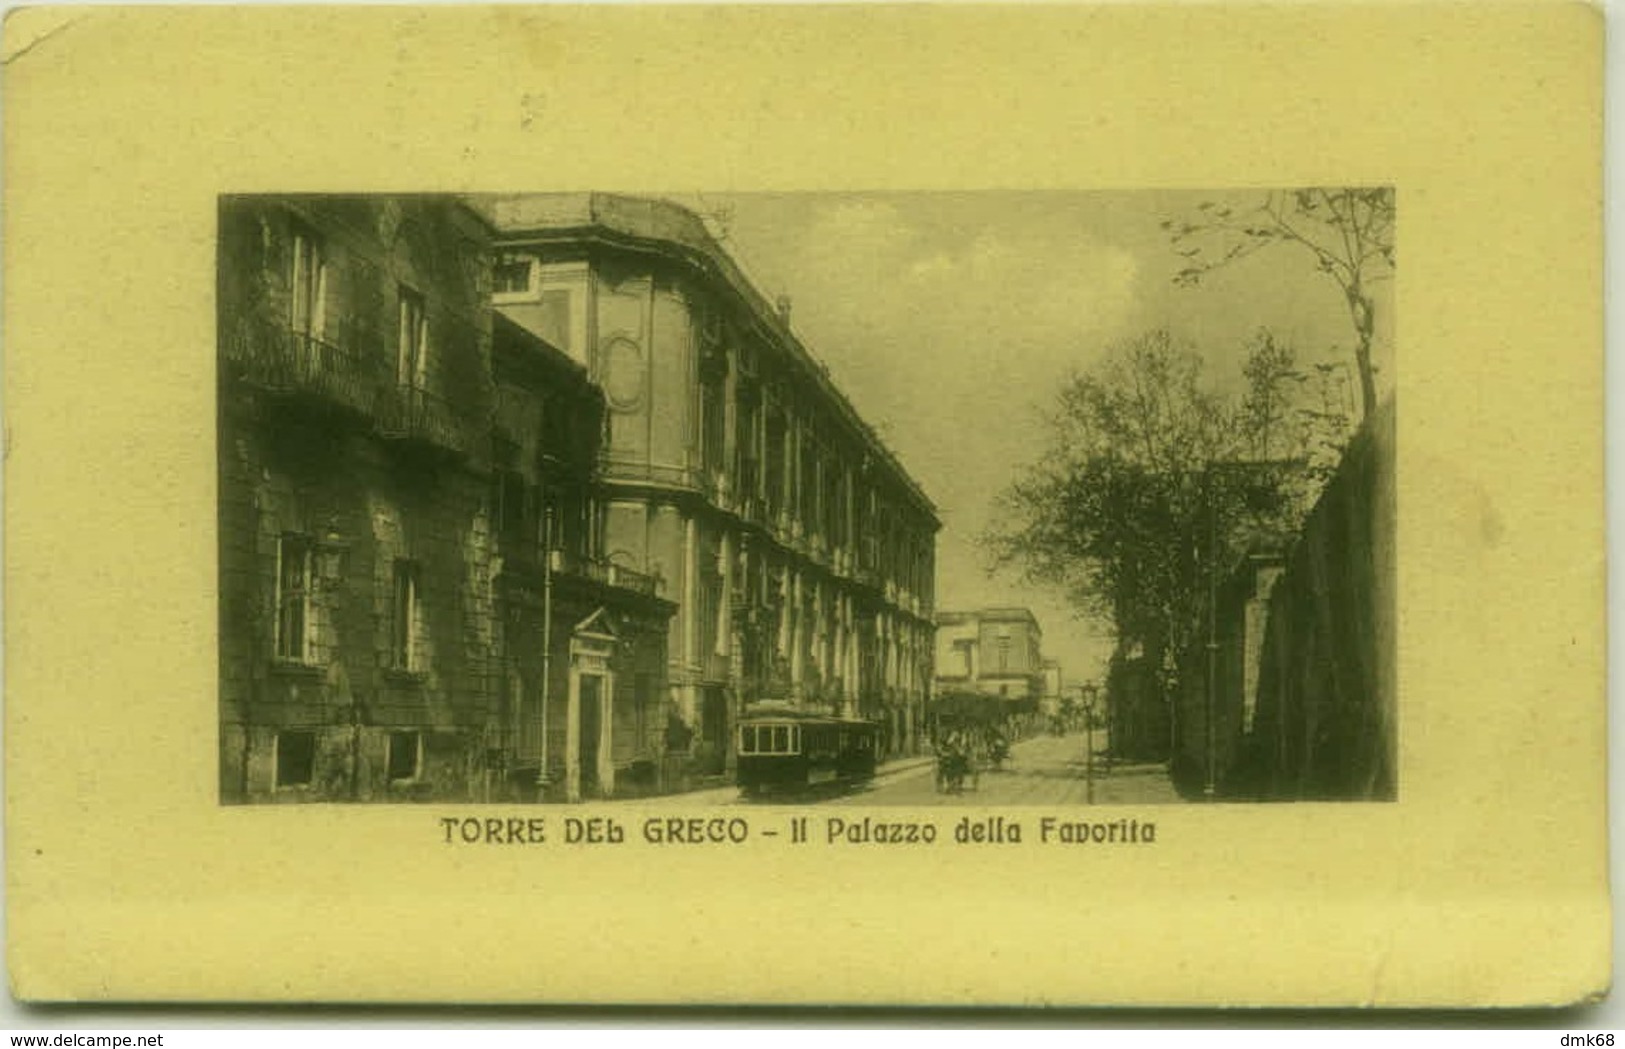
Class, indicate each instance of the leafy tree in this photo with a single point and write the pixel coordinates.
(1151, 485)
(1293, 422)
(1267, 410)
(1349, 232)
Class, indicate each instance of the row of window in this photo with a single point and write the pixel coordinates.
(308, 280)
(827, 500)
(770, 739)
(813, 626)
(963, 660)
(822, 498)
(297, 606)
(819, 740)
(296, 757)
(816, 486)
(555, 516)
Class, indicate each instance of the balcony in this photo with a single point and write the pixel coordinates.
(301, 368)
(607, 573)
(525, 579)
(424, 421)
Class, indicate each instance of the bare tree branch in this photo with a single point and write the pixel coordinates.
(1348, 232)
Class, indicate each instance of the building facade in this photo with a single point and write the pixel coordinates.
(798, 552)
(582, 639)
(379, 469)
(995, 651)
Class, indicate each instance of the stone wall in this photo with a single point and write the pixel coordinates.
(1326, 722)
(361, 513)
(345, 484)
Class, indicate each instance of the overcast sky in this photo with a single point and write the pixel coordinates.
(951, 319)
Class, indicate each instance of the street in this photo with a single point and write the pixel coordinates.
(1046, 770)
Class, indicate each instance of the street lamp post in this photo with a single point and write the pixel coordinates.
(1208, 786)
(1089, 742)
(542, 779)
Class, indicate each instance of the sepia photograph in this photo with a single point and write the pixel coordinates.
(1049, 498)
(880, 507)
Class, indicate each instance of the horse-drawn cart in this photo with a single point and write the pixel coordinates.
(969, 735)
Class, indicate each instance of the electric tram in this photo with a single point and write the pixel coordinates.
(782, 749)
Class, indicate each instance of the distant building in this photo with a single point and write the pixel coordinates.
(996, 651)
(798, 552)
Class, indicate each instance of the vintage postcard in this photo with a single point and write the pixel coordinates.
(867, 505)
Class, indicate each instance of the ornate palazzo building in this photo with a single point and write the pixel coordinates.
(797, 550)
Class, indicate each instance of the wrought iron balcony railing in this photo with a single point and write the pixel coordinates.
(411, 414)
(321, 368)
(605, 572)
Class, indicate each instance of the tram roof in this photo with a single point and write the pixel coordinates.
(772, 711)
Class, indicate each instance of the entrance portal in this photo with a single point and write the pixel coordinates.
(588, 745)
(591, 728)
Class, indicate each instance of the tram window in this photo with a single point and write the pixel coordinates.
(781, 739)
(795, 739)
(747, 738)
